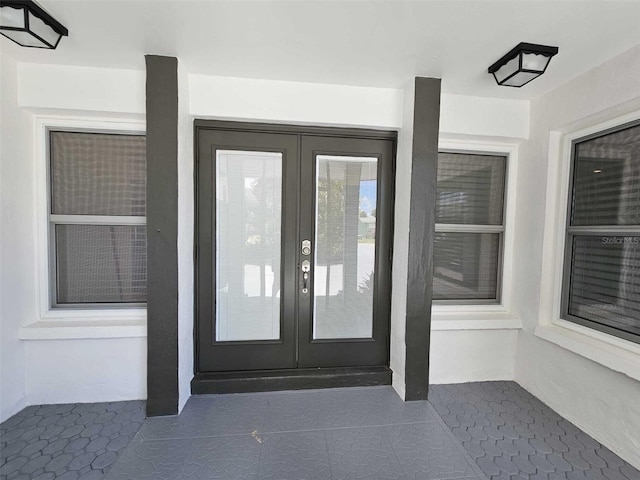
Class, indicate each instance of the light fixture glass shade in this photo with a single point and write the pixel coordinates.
(12, 17)
(42, 30)
(522, 64)
(535, 61)
(28, 25)
(520, 79)
(507, 70)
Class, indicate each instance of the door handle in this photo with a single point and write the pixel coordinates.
(306, 268)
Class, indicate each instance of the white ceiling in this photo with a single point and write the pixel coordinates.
(380, 44)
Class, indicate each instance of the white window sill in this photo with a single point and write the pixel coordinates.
(133, 314)
(609, 351)
(474, 320)
(84, 329)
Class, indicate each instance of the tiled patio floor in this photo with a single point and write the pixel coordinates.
(67, 441)
(358, 433)
(512, 435)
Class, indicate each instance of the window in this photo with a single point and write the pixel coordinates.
(469, 227)
(97, 224)
(602, 251)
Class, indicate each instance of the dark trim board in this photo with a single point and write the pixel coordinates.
(296, 129)
(422, 214)
(162, 235)
(295, 379)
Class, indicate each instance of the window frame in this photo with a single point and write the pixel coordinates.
(501, 229)
(70, 321)
(607, 350)
(570, 232)
(73, 219)
(473, 317)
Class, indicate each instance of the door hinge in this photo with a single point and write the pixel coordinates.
(390, 255)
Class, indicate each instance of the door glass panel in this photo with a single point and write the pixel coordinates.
(248, 247)
(343, 275)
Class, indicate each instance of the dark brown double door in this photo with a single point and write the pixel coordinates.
(294, 247)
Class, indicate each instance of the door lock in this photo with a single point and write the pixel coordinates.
(306, 247)
(306, 268)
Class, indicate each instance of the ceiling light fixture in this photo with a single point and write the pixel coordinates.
(522, 64)
(29, 25)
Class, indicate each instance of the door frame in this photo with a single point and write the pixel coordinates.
(299, 378)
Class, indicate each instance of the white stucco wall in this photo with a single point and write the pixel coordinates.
(472, 355)
(16, 257)
(185, 239)
(85, 89)
(603, 402)
(294, 102)
(482, 117)
(79, 359)
(400, 270)
(86, 370)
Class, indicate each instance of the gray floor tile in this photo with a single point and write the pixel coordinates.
(211, 415)
(69, 441)
(294, 456)
(228, 457)
(222, 457)
(360, 407)
(158, 460)
(426, 451)
(362, 452)
(293, 411)
(526, 439)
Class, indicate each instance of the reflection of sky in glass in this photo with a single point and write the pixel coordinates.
(368, 189)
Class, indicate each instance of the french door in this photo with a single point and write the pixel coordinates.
(293, 247)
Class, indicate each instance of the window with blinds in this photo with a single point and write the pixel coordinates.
(469, 227)
(97, 219)
(602, 253)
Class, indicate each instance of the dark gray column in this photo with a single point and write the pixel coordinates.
(424, 162)
(162, 235)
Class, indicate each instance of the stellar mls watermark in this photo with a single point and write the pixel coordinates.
(621, 240)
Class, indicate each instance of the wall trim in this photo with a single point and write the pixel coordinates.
(624, 359)
(79, 329)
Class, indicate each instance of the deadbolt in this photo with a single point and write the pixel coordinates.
(306, 247)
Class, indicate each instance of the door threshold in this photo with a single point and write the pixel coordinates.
(289, 379)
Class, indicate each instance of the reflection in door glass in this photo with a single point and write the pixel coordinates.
(248, 211)
(346, 191)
